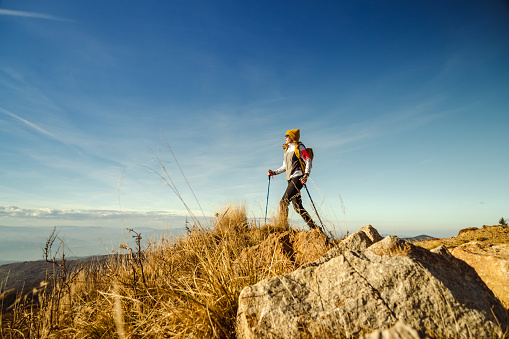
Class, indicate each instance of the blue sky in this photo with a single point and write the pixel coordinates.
(405, 104)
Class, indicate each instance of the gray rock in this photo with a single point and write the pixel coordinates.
(357, 241)
(369, 283)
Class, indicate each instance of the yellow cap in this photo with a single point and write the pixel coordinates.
(294, 134)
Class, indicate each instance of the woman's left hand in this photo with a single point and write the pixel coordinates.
(304, 179)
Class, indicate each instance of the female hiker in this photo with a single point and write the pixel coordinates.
(297, 165)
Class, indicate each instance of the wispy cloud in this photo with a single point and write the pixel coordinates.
(70, 214)
(32, 125)
(39, 129)
(384, 124)
(24, 14)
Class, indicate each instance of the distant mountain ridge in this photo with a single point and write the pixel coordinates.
(24, 277)
(418, 238)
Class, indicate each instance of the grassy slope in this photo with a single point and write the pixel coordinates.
(187, 288)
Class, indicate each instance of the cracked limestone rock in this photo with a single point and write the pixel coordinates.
(368, 283)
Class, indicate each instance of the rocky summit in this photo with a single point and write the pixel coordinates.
(486, 249)
(367, 284)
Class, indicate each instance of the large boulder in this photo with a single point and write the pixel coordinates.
(368, 283)
(491, 263)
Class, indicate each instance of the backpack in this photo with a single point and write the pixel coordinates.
(297, 153)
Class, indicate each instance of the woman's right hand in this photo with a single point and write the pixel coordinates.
(271, 173)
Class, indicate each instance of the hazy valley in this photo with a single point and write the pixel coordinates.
(19, 244)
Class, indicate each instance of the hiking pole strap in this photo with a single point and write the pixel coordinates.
(321, 223)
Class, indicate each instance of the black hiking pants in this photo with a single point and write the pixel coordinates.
(293, 194)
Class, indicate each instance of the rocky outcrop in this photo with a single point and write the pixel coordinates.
(368, 283)
(491, 263)
(487, 235)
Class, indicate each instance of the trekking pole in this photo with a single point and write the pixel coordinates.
(321, 223)
(267, 204)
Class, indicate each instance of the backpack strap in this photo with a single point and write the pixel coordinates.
(297, 153)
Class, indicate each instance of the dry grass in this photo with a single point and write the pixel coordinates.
(185, 289)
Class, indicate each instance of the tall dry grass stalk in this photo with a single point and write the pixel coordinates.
(187, 288)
